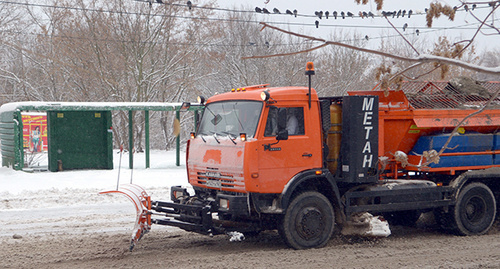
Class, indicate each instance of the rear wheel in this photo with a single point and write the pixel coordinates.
(308, 221)
(475, 210)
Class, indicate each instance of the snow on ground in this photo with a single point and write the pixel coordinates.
(163, 172)
(68, 202)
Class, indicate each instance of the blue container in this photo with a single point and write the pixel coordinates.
(496, 146)
(465, 160)
(460, 143)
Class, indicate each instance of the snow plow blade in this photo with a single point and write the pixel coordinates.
(142, 202)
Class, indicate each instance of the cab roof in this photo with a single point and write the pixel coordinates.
(291, 93)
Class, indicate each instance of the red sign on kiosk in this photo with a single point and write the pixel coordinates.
(35, 132)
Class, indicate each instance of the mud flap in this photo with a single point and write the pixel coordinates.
(142, 202)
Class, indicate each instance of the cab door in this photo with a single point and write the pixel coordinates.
(280, 160)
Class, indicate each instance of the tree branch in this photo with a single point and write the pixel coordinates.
(424, 58)
(402, 36)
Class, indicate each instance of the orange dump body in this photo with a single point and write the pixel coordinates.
(401, 125)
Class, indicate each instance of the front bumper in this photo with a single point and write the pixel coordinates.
(204, 216)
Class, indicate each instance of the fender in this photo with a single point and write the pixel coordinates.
(303, 176)
(464, 178)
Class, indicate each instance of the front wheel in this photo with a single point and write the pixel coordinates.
(308, 221)
(475, 210)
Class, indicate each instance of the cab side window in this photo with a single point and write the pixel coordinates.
(294, 122)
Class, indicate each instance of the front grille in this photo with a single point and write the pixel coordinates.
(214, 178)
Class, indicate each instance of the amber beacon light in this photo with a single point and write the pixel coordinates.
(309, 73)
(310, 68)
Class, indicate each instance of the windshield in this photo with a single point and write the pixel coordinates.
(231, 118)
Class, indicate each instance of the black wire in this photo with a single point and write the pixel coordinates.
(199, 7)
(408, 33)
(298, 14)
(461, 27)
(211, 19)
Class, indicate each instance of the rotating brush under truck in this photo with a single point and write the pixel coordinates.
(283, 158)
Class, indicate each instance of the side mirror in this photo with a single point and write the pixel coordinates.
(282, 135)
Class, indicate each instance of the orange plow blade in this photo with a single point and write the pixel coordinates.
(142, 202)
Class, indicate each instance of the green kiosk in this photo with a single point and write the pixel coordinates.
(79, 135)
(80, 140)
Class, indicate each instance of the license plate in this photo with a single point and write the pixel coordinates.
(214, 183)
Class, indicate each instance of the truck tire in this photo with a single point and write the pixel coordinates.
(308, 221)
(475, 210)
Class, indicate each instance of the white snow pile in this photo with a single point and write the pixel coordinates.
(236, 236)
(365, 224)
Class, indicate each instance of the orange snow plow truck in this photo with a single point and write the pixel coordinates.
(283, 158)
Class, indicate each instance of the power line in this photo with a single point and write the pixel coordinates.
(211, 19)
(252, 44)
(416, 29)
(288, 12)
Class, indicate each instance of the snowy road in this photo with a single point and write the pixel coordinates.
(57, 220)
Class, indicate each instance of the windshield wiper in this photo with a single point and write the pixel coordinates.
(230, 137)
(201, 136)
(215, 136)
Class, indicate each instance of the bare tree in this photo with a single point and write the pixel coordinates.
(343, 69)
(490, 59)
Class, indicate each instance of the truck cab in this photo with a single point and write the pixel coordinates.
(249, 145)
(242, 147)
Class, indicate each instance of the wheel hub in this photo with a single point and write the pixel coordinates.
(311, 223)
(475, 209)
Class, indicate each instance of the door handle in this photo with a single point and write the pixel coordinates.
(307, 155)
